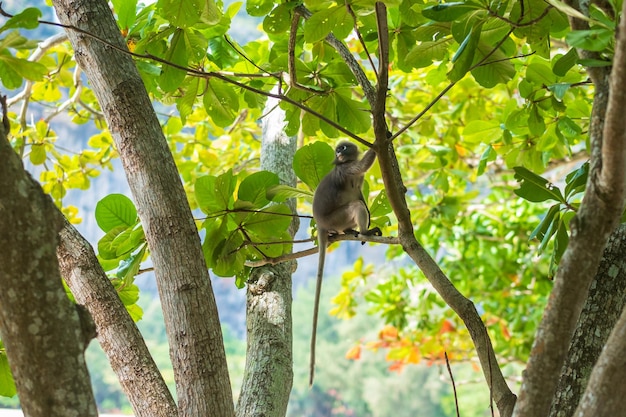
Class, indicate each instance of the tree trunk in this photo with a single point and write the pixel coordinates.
(191, 319)
(268, 374)
(607, 297)
(117, 333)
(40, 327)
(596, 219)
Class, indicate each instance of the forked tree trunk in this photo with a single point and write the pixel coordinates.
(191, 320)
(40, 327)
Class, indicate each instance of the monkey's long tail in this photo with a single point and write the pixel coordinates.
(322, 243)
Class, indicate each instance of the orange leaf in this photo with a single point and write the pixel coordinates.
(354, 353)
(388, 332)
(447, 327)
(505, 330)
(397, 366)
(414, 356)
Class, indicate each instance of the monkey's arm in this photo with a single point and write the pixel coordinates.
(361, 166)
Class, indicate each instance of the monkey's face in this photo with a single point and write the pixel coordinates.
(345, 152)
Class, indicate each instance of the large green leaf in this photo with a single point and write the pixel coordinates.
(125, 10)
(254, 188)
(280, 193)
(221, 102)
(171, 77)
(181, 13)
(27, 19)
(33, 71)
(215, 194)
(115, 210)
(269, 222)
(312, 162)
(334, 19)
(536, 188)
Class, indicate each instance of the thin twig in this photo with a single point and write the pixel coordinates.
(456, 398)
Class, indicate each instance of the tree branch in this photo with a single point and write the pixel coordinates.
(118, 335)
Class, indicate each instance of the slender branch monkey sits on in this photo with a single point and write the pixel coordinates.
(339, 207)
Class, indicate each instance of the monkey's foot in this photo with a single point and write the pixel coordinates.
(351, 232)
(373, 232)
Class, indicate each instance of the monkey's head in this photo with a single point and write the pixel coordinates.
(345, 152)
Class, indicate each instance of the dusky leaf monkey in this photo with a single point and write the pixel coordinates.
(338, 208)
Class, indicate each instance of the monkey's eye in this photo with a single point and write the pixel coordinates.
(342, 148)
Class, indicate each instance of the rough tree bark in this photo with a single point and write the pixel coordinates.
(40, 327)
(596, 219)
(268, 374)
(117, 333)
(191, 319)
(607, 297)
(604, 396)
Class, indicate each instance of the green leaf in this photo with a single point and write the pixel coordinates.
(255, 186)
(259, 8)
(568, 127)
(576, 181)
(126, 11)
(559, 89)
(280, 193)
(464, 56)
(478, 131)
(37, 154)
(536, 188)
(351, 114)
(269, 222)
(27, 19)
(107, 245)
(487, 156)
(565, 63)
(597, 39)
(561, 241)
(497, 70)
(544, 225)
(423, 54)
(278, 20)
(536, 124)
(7, 384)
(595, 63)
(215, 194)
(33, 71)
(553, 226)
(181, 13)
(221, 53)
(129, 294)
(312, 162)
(228, 258)
(115, 210)
(333, 19)
(447, 12)
(10, 79)
(221, 102)
(171, 78)
(380, 206)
